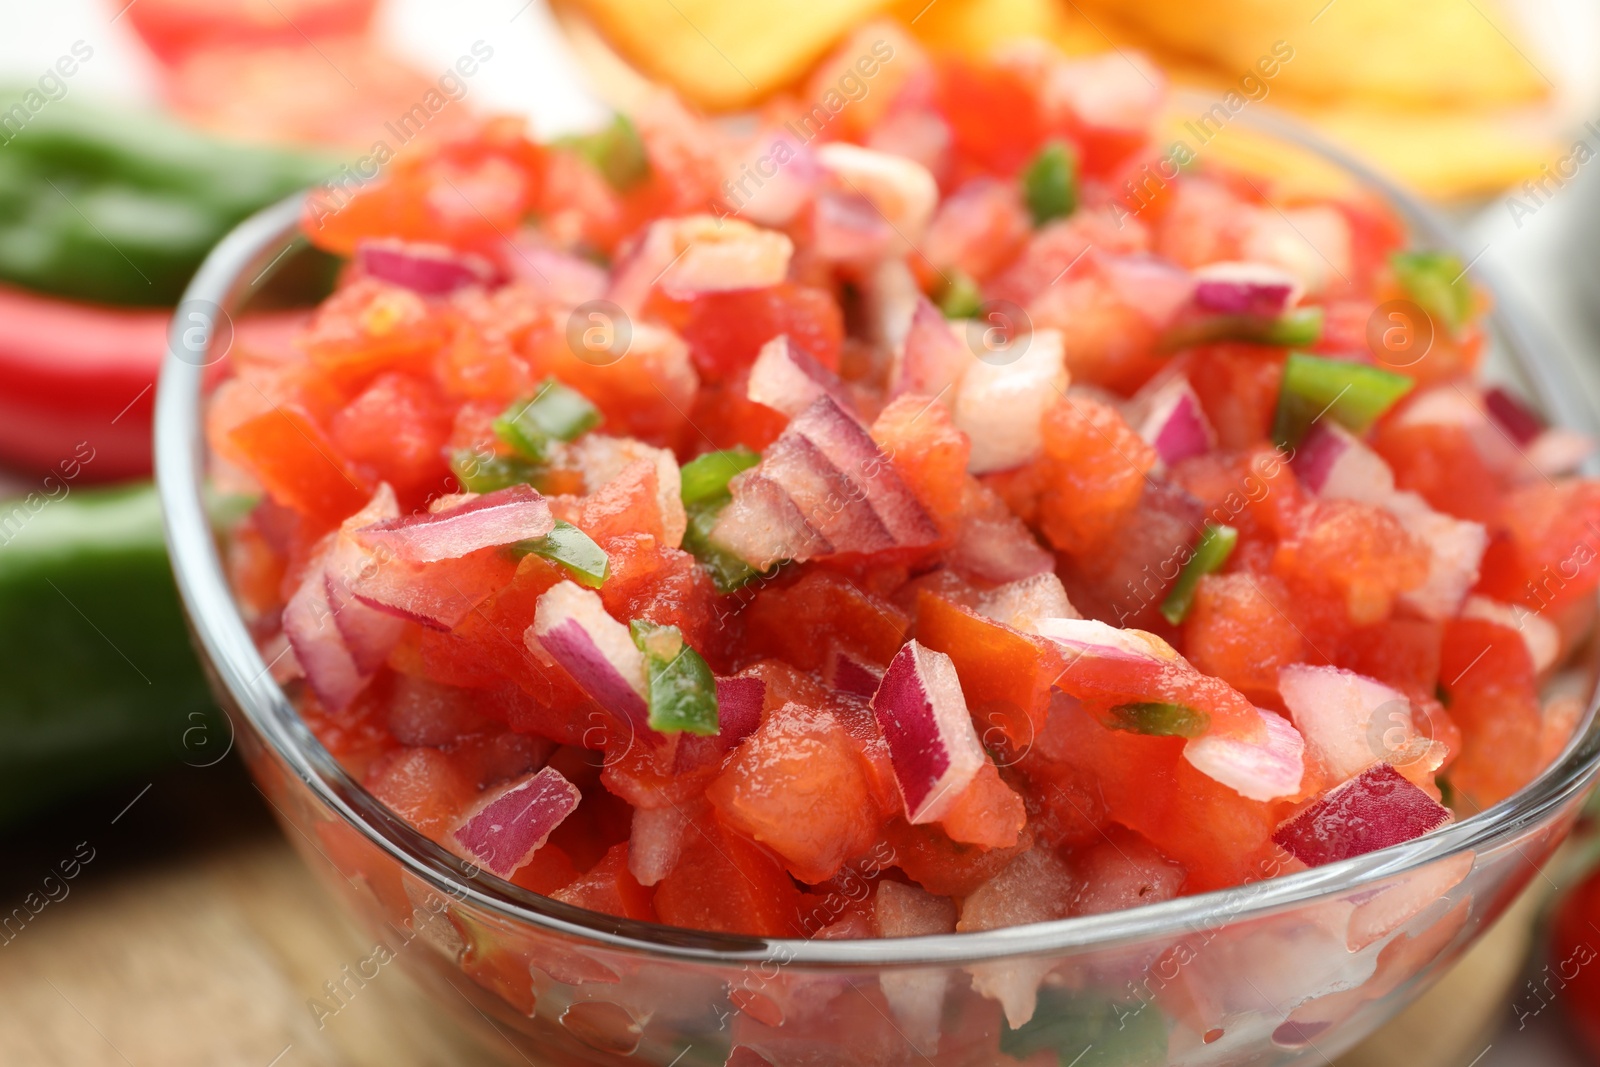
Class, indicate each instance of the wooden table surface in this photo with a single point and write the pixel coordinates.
(194, 936)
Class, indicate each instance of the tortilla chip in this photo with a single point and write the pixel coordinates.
(977, 27)
(1417, 53)
(723, 55)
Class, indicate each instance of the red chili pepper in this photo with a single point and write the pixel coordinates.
(1574, 964)
(72, 373)
(176, 28)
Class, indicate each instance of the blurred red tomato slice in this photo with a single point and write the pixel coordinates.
(173, 29)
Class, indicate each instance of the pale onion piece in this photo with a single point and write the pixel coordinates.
(1119, 90)
(1036, 886)
(923, 714)
(330, 668)
(1264, 290)
(429, 269)
(1383, 909)
(774, 179)
(700, 253)
(1334, 463)
(1021, 604)
(1091, 637)
(505, 830)
(999, 547)
(1000, 405)
(932, 358)
(1559, 451)
(889, 294)
(847, 228)
(558, 277)
(1540, 634)
(1350, 721)
(1257, 771)
(1174, 424)
(916, 997)
(368, 633)
(655, 842)
(503, 517)
(763, 525)
(787, 379)
(1455, 551)
(602, 459)
(1312, 243)
(902, 191)
(1158, 289)
(573, 627)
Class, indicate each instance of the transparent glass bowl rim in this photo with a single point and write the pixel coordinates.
(241, 263)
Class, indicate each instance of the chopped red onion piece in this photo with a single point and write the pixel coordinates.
(430, 269)
(846, 674)
(1258, 289)
(656, 841)
(1264, 771)
(1375, 809)
(562, 277)
(1021, 604)
(763, 525)
(845, 227)
(739, 703)
(504, 832)
(932, 358)
(572, 626)
(1333, 462)
(852, 451)
(1157, 288)
(338, 641)
(1538, 633)
(1002, 399)
(1349, 720)
(923, 714)
(503, 517)
(1174, 422)
(1518, 420)
(900, 190)
(1455, 551)
(1091, 637)
(785, 378)
(1559, 451)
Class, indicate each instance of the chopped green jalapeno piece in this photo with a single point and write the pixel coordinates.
(683, 691)
(572, 549)
(617, 152)
(706, 477)
(961, 299)
(1210, 553)
(1352, 394)
(555, 413)
(1160, 720)
(1050, 183)
(1436, 281)
(484, 473)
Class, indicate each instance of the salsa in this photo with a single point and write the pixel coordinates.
(678, 519)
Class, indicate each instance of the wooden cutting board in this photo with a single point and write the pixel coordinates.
(195, 936)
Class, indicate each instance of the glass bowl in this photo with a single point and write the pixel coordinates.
(1296, 967)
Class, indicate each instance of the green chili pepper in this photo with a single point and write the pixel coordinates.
(1159, 720)
(555, 413)
(1436, 281)
(484, 473)
(706, 477)
(683, 691)
(961, 298)
(1294, 328)
(1050, 183)
(1352, 394)
(1210, 553)
(574, 550)
(118, 207)
(101, 682)
(617, 151)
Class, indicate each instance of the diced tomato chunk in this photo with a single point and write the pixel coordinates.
(299, 466)
(726, 330)
(725, 882)
(609, 887)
